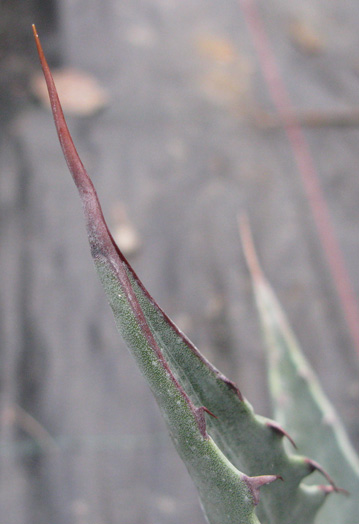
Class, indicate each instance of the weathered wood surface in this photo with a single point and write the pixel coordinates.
(178, 148)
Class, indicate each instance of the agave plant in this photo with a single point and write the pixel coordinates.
(229, 451)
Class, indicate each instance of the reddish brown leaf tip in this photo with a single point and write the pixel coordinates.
(255, 483)
(248, 247)
(38, 44)
(74, 163)
(280, 431)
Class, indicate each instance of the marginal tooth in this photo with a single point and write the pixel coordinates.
(255, 483)
(314, 466)
(282, 432)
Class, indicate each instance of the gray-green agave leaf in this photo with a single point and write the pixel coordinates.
(300, 403)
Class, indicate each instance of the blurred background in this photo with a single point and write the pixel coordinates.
(185, 113)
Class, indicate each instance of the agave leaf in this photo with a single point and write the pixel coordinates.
(227, 495)
(216, 450)
(300, 403)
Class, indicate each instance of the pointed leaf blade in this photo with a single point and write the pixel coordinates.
(227, 495)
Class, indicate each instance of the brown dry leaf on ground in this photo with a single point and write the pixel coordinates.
(80, 93)
(306, 37)
(124, 232)
(214, 48)
(226, 73)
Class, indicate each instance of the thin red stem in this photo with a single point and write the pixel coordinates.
(306, 167)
